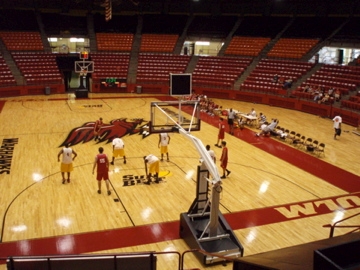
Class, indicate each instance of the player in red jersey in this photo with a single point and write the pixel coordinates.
(97, 127)
(102, 164)
(224, 160)
(221, 134)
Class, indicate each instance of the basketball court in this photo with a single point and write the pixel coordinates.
(276, 195)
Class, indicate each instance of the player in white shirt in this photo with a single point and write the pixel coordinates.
(211, 153)
(164, 140)
(154, 168)
(118, 149)
(337, 125)
(231, 117)
(68, 155)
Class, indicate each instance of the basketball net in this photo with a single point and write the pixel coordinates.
(83, 72)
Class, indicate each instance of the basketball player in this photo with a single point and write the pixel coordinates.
(118, 149)
(337, 125)
(231, 117)
(164, 140)
(221, 134)
(66, 163)
(154, 168)
(102, 164)
(211, 153)
(224, 160)
(97, 127)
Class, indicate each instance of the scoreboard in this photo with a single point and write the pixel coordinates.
(113, 82)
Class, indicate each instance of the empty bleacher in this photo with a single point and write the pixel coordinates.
(114, 42)
(22, 41)
(292, 48)
(38, 68)
(219, 72)
(110, 65)
(246, 46)
(156, 68)
(158, 43)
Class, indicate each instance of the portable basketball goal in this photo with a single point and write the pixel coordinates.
(83, 67)
(203, 227)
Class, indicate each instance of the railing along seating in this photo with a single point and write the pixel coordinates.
(353, 103)
(131, 261)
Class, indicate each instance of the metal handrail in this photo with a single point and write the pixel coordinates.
(333, 226)
(114, 256)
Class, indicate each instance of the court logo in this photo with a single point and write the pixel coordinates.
(132, 180)
(117, 127)
(6, 154)
(320, 206)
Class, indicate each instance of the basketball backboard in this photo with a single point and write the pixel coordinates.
(170, 116)
(180, 84)
(84, 66)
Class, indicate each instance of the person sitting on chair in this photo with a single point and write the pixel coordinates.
(261, 119)
(267, 129)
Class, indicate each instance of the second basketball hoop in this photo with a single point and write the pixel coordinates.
(169, 116)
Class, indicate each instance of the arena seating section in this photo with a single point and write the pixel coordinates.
(213, 71)
(158, 43)
(249, 46)
(22, 41)
(294, 48)
(248, 62)
(113, 65)
(156, 68)
(114, 42)
(261, 78)
(38, 67)
(344, 78)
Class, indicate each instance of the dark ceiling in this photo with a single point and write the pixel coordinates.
(205, 7)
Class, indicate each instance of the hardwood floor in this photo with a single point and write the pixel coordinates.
(276, 195)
